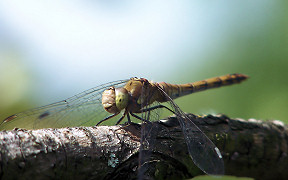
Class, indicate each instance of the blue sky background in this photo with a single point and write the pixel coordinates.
(51, 50)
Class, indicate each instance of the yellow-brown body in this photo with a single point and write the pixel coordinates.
(140, 92)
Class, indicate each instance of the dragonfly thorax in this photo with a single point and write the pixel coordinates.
(115, 99)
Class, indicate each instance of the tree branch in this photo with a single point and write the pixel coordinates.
(250, 148)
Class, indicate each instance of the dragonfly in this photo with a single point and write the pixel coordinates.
(132, 97)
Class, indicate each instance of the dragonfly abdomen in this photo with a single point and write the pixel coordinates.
(178, 90)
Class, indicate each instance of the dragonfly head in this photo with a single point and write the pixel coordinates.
(115, 99)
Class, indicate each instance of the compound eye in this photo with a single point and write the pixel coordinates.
(122, 98)
(108, 100)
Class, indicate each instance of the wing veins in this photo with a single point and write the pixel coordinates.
(87, 100)
(209, 160)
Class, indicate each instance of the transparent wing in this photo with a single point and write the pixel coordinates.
(202, 150)
(148, 134)
(84, 109)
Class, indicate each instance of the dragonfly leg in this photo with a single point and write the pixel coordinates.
(134, 115)
(108, 117)
(156, 107)
(121, 118)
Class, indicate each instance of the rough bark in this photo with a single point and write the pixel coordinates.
(250, 148)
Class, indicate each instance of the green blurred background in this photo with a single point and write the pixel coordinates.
(52, 50)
